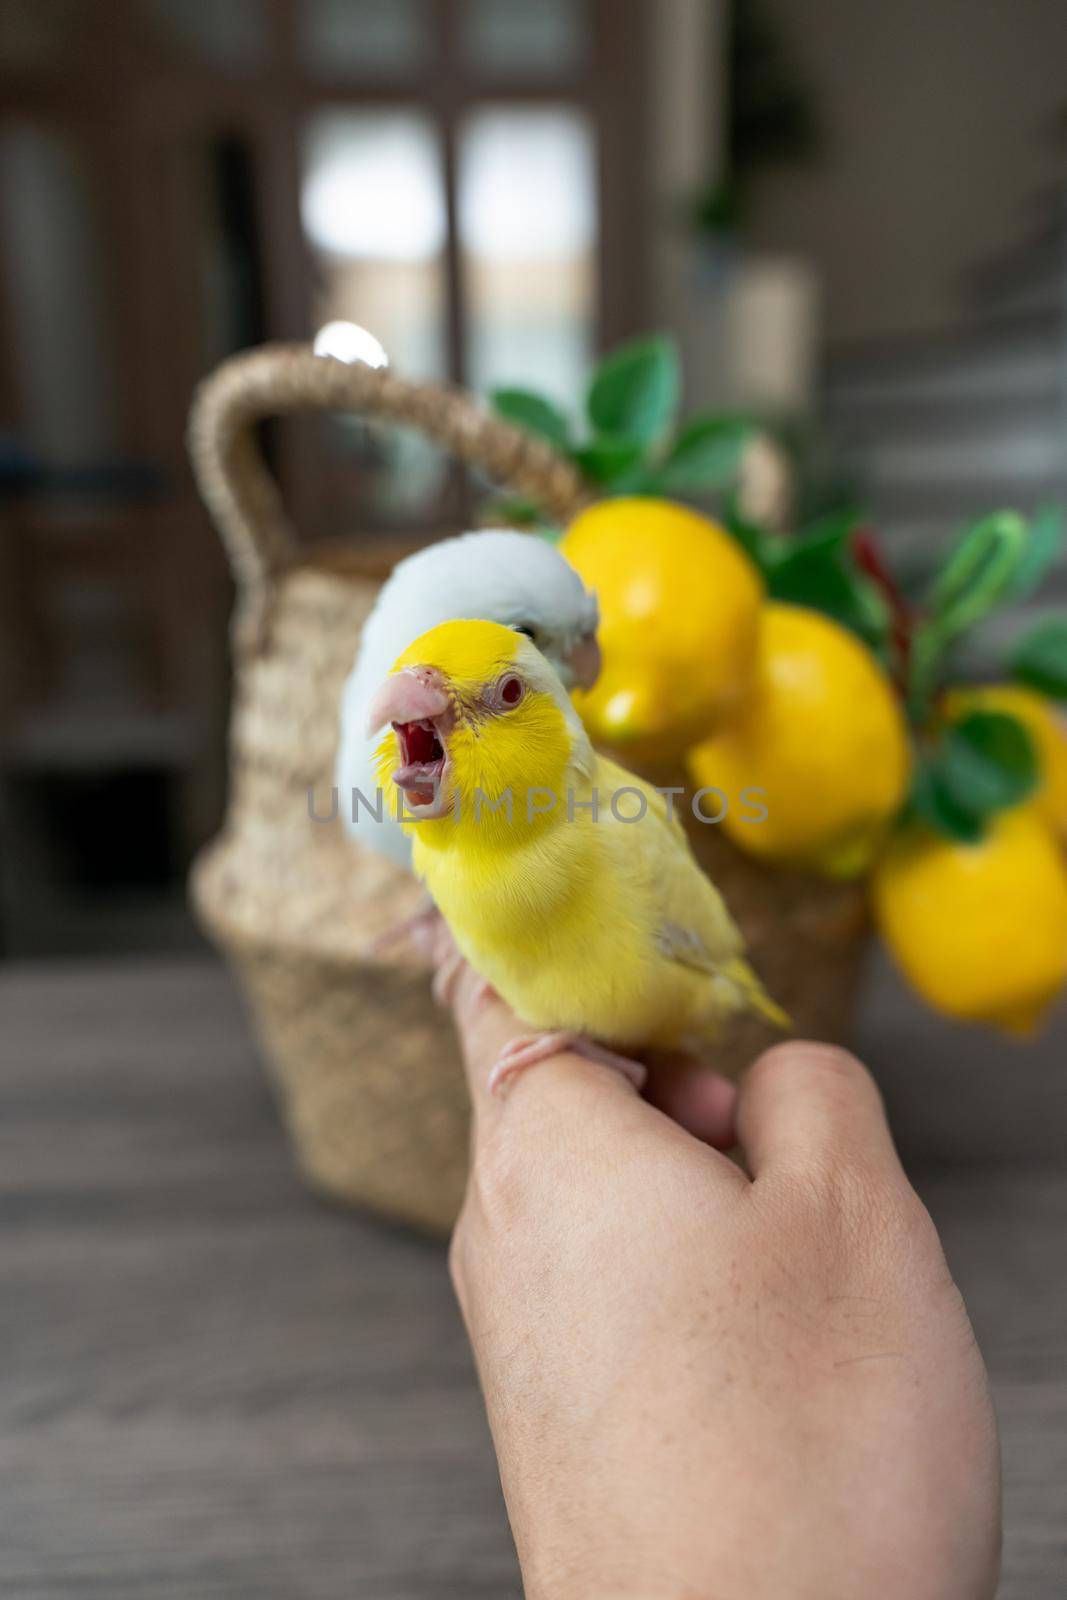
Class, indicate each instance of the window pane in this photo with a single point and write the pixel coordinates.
(528, 225)
(373, 209)
(363, 38)
(228, 33)
(514, 37)
(57, 311)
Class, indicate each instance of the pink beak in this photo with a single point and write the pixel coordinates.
(417, 694)
(584, 662)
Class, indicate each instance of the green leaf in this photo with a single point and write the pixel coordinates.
(979, 572)
(534, 413)
(605, 460)
(1044, 547)
(828, 536)
(514, 511)
(833, 529)
(816, 550)
(987, 761)
(818, 570)
(977, 576)
(932, 804)
(1040, 658)
(766, 549)
(635, 390)
(705, 455)
(639, 479)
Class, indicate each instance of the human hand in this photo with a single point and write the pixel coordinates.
(702, 1384)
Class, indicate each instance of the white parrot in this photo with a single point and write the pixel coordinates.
(498, 575)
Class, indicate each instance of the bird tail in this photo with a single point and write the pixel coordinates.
(755, 997)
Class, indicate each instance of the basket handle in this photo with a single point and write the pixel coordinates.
(280, 378)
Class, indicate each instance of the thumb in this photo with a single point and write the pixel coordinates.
(802, 1103)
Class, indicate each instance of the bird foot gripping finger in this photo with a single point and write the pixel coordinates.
(633, 1071)
(530, 1048)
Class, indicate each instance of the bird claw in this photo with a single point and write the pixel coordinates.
(530, 1048)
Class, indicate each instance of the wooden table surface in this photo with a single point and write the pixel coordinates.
(213, 1386)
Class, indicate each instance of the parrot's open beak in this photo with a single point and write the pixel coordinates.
(417, 703)
(583, 663)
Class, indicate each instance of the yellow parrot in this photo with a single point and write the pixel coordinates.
(564, 879)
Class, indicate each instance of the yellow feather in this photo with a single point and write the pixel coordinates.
(580, 921)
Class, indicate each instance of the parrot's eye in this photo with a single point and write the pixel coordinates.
(511, 691)
(528, 629)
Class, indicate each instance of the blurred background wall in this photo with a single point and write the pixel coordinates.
(852, 217)
(942, 136)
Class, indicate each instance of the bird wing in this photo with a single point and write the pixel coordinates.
(697, 931)
(684, 945)
(690, 924)
(690, 921)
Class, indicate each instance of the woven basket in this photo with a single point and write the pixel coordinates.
(366, 1067)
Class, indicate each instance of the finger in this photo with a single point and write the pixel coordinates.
(701, 1101)
(485, 1025)
(803, 1103)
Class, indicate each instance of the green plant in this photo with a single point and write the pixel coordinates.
(970, 766)
(631, 440)
(820, 567)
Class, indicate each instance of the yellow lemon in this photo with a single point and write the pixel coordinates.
(679, 608)
(1041, 720)
(979, 929)
(821, 740)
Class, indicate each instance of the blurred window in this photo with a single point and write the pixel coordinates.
(506, 38)
(59, 320)
(362, 38)
(226, 33)
(373, 208)
(528, 235)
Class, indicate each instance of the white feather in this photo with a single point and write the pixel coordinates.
(498, 575)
